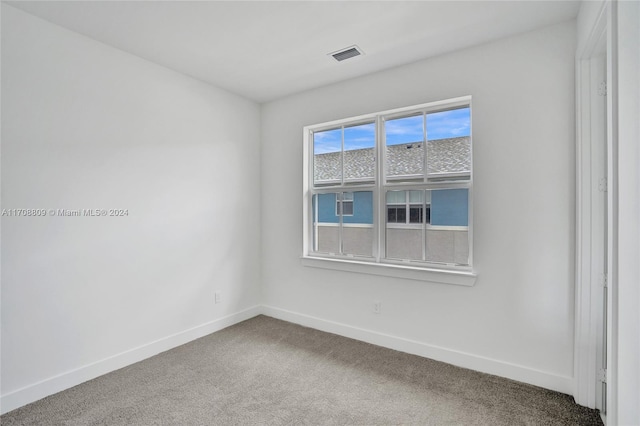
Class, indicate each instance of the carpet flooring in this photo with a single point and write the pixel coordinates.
(269, 372)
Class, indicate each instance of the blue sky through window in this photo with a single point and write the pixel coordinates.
(454, 123)
(359, 137)
(404, 130)
(355, 137)
(327, 141)
(440, 125)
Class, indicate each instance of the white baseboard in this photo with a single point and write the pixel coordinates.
(520, 373)
(66, 380)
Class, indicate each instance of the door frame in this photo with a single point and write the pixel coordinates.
(589, 248)
(605, 22)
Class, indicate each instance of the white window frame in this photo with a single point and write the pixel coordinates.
(378, 264)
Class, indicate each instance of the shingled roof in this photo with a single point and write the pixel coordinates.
(445, 156)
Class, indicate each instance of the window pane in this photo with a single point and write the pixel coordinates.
(326, 229)
(405, 148)
(404, 240)
(415, 197)
(355, 235)
(415, 214)
(359, 153)
(327, 157)
(396, 206)
(450, 207)
(392, 214)
(357, 229)
(447, 238)
(396, 197)
(415, 208)
(401, 212)
(404, 243)
(444, 239)
(347, 208)
(449, 144)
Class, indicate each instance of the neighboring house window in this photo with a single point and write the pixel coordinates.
(345, 206)
(407, 207)
(392, 187)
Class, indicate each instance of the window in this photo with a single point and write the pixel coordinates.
(345, 206)
(407, 207)
(392, 188)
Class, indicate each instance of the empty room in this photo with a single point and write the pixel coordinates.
(320, 212)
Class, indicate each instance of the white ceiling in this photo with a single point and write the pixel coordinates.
(265, 50)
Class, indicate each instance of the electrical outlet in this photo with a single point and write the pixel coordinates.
(377, 307)
(217, 297)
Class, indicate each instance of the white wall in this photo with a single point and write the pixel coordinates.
(88, 126)
(627, 295)
(585, 22)
(517, 320)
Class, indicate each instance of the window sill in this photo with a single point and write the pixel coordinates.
(442, 276)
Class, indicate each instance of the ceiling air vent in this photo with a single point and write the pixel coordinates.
(346, 53)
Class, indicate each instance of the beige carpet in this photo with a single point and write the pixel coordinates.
(269, 372)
